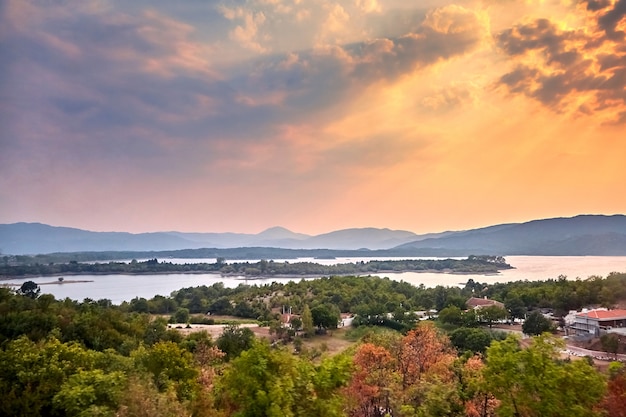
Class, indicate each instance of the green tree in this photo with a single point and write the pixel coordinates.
(325, 317)
(516, 308)
(33, 373)
(451, 315)
(234, 340)
(89, 393)
(491, 314)
(171, 367)
(260, 382)
(221, 306)
(272, 382)
(296, 323)
(472, 339)
(142, 399)
(307, 321)
(139, 305)
(536, 323)
(534, 382)
(610, 342)
(181, 315)
(29, 289)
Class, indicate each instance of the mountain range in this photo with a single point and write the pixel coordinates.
(575, 236)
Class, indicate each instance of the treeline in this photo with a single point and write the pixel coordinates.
(91, 358)
(373, 296)
(473, 264)
(226, 253)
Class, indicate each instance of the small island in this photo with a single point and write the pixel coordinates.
(483, 264)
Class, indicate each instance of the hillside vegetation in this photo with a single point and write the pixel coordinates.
(92, 358)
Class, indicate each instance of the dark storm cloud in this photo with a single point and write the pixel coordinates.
(595, 5)
(555, 64)
(609, 21)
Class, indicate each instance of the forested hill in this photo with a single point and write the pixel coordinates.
(575, 236)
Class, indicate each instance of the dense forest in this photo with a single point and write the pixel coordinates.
(31, 266)
(93, 358)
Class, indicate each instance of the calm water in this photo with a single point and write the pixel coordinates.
(119, 288)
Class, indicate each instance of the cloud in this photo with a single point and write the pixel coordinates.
(578, 69)
(246, 33)
(116, 86)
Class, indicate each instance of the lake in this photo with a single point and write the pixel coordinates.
(119, 288)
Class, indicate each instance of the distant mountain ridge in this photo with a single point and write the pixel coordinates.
(574, 236)
(37, 238)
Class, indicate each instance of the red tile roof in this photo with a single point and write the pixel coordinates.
(604, 314)
(482, 302)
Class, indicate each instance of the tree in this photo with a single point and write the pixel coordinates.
(516, 308)
(221, 306)
(139, 305)
(614, 402)
(142, 399)
(180, 316)
(33, 373)
(296, 323)
(424, 349)
(272, 382)
(234, 340)
(610, 343)
(536, 324)
(534, 382)
(451, 315)
(369, 390)
(325, 317)
(474, 340)
(171, 368)
(90, 393)
(478, 401)
(29, 289)
(307, 320)
(260, 382)
(491, 314)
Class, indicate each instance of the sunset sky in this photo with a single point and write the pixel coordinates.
(314, 115)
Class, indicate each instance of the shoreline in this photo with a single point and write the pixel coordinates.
(250, 277)
(71, 281)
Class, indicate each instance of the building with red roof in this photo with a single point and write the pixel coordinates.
(477, 303)
(595, 322)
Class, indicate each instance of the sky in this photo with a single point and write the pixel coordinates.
(314, 115)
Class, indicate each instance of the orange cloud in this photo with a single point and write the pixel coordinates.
(580, 70)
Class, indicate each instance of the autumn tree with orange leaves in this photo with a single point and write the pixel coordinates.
(614, 402)
(477, 401)
(413, 377)
(369, 390)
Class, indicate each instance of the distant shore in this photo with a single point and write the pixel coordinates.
(244, 277)
(57, 282)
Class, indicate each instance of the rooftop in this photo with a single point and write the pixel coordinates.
(483, 302)
(603, 314)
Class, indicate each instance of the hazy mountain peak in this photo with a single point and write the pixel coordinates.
(279, 232)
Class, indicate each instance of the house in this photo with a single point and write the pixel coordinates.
(599, 321)
(476, 303)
